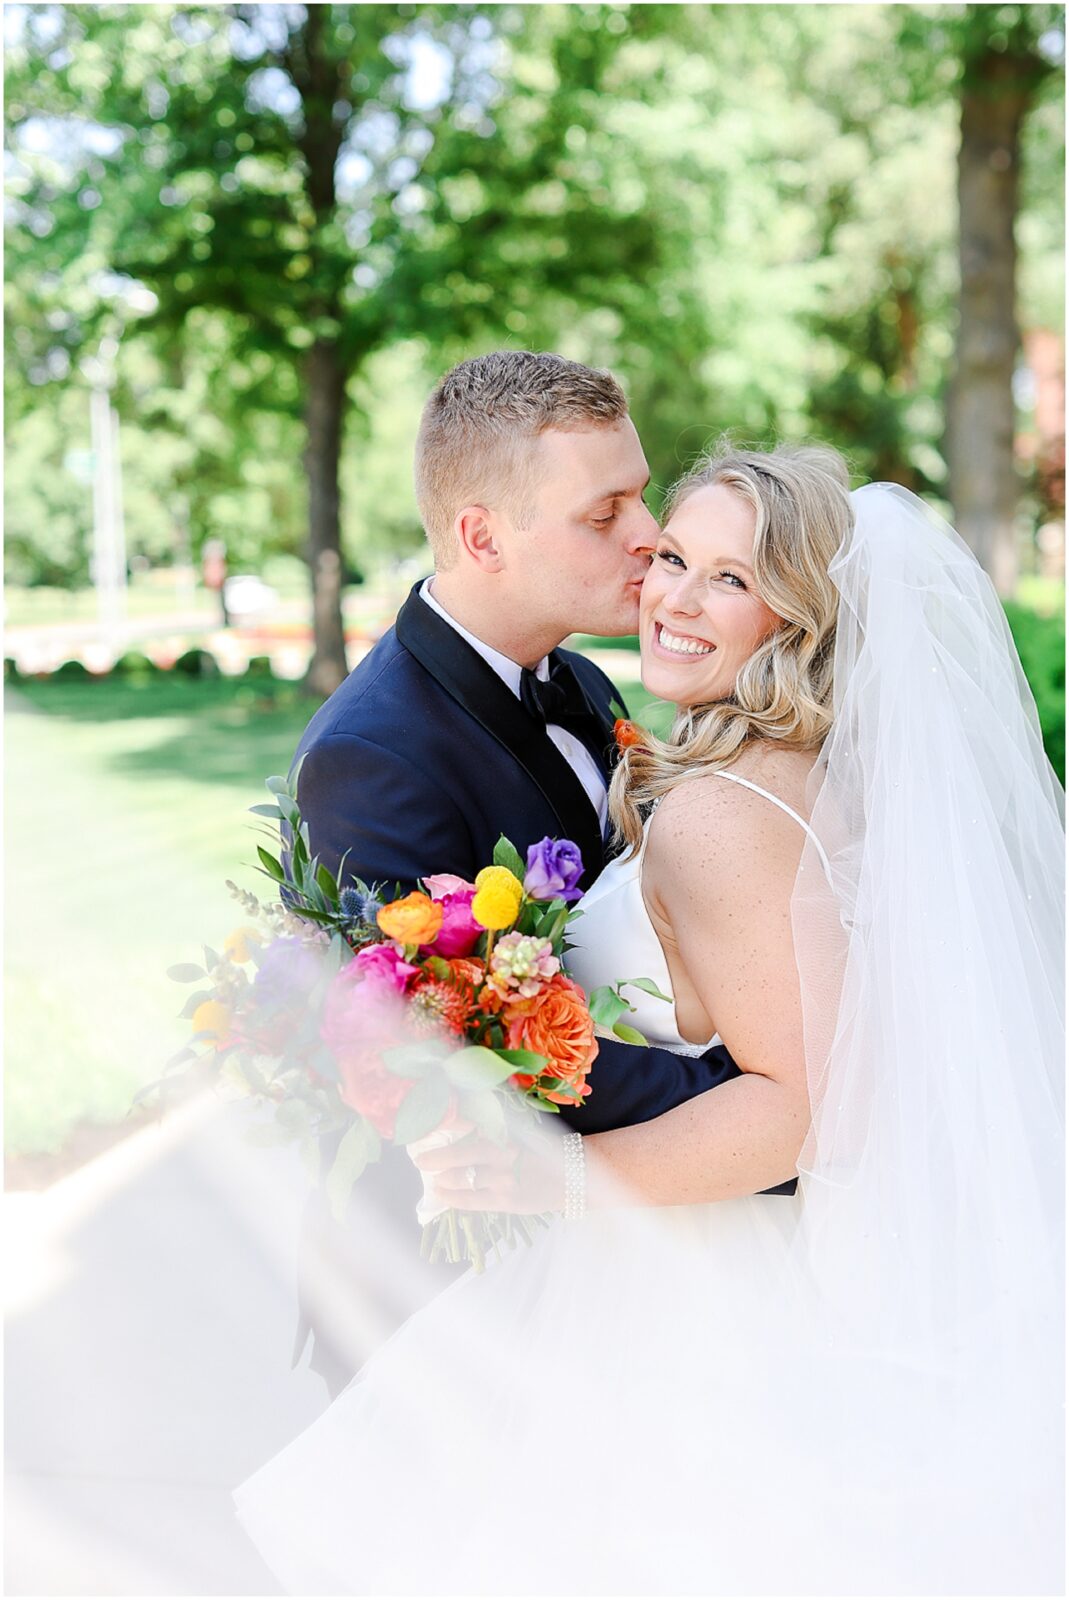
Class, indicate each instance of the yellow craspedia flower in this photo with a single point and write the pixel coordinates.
(417, 919)
(213, 1018)
(497, 899)
(236, 944)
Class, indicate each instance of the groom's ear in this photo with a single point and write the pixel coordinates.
(475, 528)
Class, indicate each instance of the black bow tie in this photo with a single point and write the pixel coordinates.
(559, 700)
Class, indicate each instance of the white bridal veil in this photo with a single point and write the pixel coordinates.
(932, 968)
(853, 1391)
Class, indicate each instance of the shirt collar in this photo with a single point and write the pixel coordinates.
(507, 670)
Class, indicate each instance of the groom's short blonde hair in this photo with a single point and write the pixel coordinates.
(478, 428)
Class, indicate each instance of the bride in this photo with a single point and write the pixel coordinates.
(844, 863)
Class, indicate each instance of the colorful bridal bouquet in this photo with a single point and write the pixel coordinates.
(392, 1019)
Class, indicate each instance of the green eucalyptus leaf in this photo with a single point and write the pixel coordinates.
(185, 972)
(277, 785)
(525, 1060)
(486, 1109)
(506, 855)
(359, 1145)
(605, 1006)
(266, 811)
(647, 986)
(630, 1035)
(477, 1068)
(422, 1109)
(414, 1060)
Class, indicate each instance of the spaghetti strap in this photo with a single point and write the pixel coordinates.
(734, 777)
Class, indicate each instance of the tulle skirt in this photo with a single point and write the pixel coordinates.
(652, 1402)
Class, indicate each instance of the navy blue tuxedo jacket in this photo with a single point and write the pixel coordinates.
(422, 759)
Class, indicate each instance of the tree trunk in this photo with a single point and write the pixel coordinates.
(320, 79)
(996, 95)
(322, 456)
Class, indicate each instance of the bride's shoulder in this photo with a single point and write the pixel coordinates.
(715, 809)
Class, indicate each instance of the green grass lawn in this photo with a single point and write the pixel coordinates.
(126, 811)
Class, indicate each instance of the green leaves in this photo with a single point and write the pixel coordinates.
(607, 1007)
(185, 972)
(647, 986)
(506, 855)
(359, 1146)
(414, 1060)
(422, 1109)
(477, 1068)
(271, 865)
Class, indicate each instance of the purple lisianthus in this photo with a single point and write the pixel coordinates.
(554, 867)
(288, 972)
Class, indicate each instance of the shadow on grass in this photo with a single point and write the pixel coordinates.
(225, 730)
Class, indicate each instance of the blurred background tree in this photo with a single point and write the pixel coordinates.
(750, 212)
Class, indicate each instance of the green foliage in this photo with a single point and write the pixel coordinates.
(1040, 642)
(748, 212)
(197, 663)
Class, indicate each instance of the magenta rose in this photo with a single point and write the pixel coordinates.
(459, 932)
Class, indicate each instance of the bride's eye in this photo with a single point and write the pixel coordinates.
(735, 579)
(670, 556)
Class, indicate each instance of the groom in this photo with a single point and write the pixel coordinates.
(467, 721)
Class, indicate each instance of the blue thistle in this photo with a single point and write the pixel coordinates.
(359, 905)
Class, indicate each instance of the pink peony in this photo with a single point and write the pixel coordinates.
(384, 965)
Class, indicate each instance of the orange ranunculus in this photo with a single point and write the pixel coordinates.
(414, 920)
(555, 1023)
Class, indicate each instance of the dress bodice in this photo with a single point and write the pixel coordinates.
(615, 939)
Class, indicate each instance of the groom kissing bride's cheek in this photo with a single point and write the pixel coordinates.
(467, 721)
(794, 1327)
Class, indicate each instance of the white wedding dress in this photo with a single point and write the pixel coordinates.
(632, 1406)
(852, 1390)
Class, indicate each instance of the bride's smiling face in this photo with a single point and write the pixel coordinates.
(701, 617)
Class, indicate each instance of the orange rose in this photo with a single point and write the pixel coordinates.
(414, 920)
(555, 1023)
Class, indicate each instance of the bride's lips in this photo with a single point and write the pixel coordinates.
(664, 654)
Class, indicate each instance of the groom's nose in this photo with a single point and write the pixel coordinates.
(642, 532)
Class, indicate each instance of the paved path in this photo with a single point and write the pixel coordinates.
(149, 1324)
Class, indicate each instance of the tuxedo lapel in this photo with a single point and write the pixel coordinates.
(475, 686)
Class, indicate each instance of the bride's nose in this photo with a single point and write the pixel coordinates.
(684, 598)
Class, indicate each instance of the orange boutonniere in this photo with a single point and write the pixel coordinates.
(628, 733)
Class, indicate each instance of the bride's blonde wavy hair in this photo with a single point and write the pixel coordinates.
(783, 693)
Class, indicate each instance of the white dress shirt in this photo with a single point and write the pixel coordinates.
(572, 749)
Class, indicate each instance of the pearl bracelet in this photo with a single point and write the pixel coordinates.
(574, 1177)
